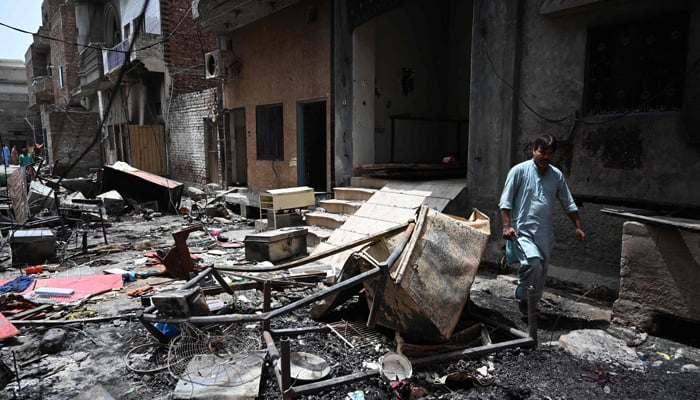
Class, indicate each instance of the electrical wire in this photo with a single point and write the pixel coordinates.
(565, 118)
(98, 134)
(535, 112)
(112, 49)
(88, 46)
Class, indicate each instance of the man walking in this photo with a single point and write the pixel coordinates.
(531, 190)
(5, 155)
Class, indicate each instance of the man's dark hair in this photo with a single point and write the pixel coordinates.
(544, 142)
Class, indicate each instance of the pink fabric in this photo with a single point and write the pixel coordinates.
(83, 286)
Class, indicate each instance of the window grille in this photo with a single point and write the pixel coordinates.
(637, 66)
(270, 138)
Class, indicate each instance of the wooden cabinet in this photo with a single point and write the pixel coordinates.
(275, 200)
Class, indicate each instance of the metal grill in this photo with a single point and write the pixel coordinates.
(355, 334)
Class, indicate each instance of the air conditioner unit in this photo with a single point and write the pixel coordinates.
(220, 64)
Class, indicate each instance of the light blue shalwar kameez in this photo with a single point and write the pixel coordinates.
(530, 197)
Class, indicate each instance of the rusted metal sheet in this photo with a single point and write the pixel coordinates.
(430, 283)
(17, 191)
(178, 261)
(148, 148)
(141, 186)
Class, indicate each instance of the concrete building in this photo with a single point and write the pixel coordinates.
(108, 76)
(412, 82)
(16, 122)
(315, 90)
(273, 62)
(617, 83)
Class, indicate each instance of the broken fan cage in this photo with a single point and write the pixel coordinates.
(147, 358)
(227, 346)
(356, 335)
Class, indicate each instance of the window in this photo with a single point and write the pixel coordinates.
(270, 140)
(60, 76)
(638, 66)
(139, 25)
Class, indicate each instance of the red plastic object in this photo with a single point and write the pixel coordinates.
(34, 270)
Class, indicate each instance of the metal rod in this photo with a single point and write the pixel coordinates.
(459, 354)
(355, 280)
(299, 331)
(532, 313)
(222, 281)
(14, 360)
(352, 346)
(208, 319)
(381, 283)
(473, 352)
(271, 348)
(102, 221)
(194, 281)
(284, 366)
(73, 321)
(321, 255)
(378, 295)
(160, 336)
(267, 300)
(274, 355)
(329, 383)
(499, 325)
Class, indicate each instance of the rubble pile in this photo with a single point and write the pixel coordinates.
(141, 291)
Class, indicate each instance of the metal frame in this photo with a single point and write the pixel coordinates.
(148, 317)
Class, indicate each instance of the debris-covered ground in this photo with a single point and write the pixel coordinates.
(97, 348)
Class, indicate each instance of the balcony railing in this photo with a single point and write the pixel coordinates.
(90, 64)
(114, 57)
(148, 48)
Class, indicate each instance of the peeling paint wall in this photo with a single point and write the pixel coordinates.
(285, 58)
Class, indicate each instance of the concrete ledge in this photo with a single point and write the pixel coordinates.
(348, 207)
(353, 193)
(659, 275)
(325, 220)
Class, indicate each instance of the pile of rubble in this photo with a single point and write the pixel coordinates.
(141, 291)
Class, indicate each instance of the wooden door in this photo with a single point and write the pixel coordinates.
(148, 148)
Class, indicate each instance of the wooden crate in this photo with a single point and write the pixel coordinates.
(287, 199)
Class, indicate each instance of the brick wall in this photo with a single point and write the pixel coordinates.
(69, 134)
(186, 144)
(184, 51)
(65, 54)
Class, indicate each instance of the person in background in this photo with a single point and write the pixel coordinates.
(6, 154)
(14, 156)
(27, 161)
(527, 203)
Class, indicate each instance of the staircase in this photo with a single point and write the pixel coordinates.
(333, 213)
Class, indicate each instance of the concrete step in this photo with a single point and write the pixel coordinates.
(368, 182)
(353, 193)
(336, 206)
(325, 220)
(316, 235)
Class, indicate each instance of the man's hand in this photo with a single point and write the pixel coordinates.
(509, 233)
(580, 235)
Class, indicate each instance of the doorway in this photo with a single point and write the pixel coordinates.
(212, 152)
(312, 145)
(237, 145)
